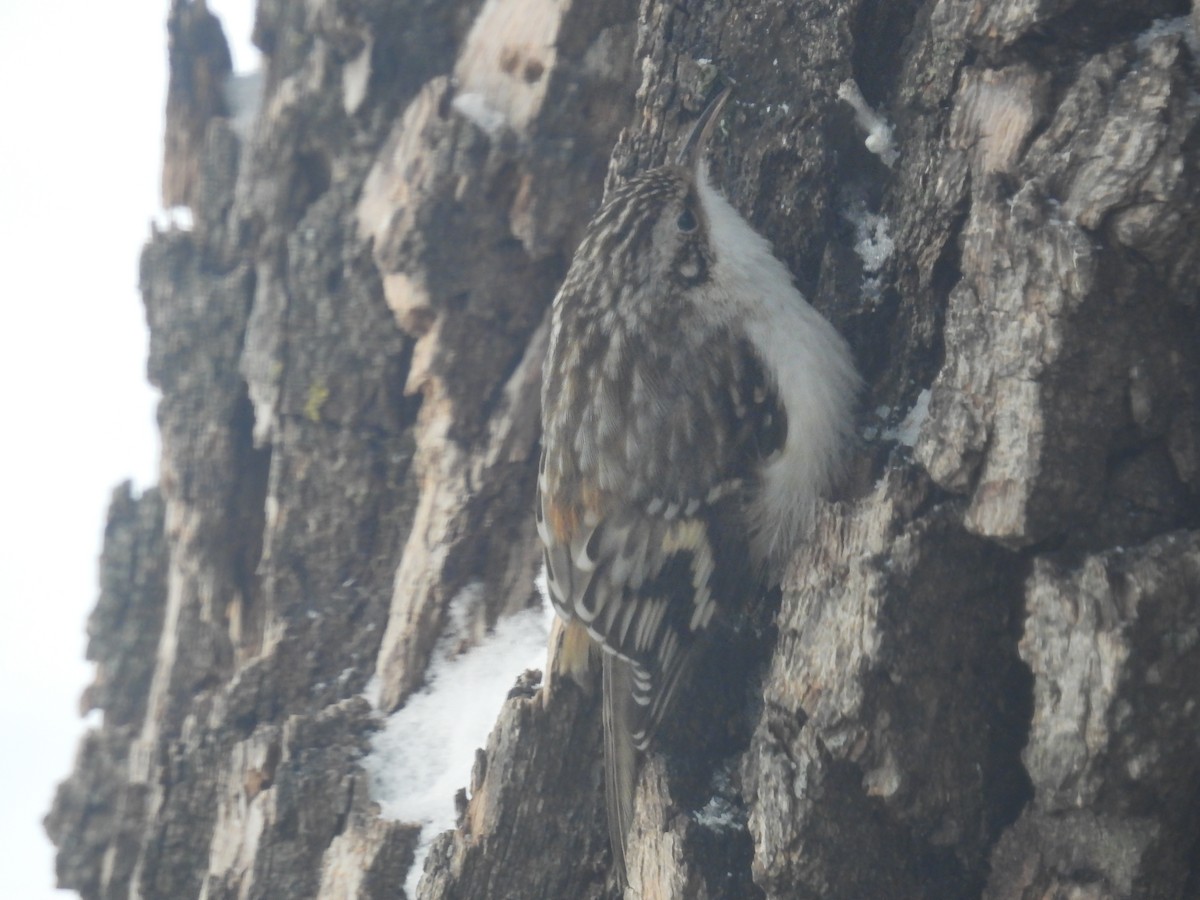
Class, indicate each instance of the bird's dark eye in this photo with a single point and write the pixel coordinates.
(687, 221)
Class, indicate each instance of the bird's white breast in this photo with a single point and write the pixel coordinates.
(809, 362)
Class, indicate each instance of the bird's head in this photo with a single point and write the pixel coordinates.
(653, 233)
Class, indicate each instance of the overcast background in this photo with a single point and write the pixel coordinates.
(82, 90)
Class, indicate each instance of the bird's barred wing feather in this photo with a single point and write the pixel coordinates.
(645, 570)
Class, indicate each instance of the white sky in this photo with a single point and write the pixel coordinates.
(82, 90)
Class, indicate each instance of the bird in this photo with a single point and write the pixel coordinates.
(695, 408)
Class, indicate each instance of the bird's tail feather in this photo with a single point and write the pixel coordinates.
(620, 757)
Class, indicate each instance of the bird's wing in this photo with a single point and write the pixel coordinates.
(644, 567)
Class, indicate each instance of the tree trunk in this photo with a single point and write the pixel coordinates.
(981, 677)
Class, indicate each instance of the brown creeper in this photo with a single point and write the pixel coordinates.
(694, 407)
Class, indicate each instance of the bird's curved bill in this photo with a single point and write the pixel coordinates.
(693, 149)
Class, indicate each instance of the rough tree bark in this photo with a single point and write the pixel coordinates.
(982, 675)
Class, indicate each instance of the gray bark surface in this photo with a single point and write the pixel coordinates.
(981, 676)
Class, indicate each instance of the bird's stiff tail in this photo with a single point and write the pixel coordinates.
(620, 757)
